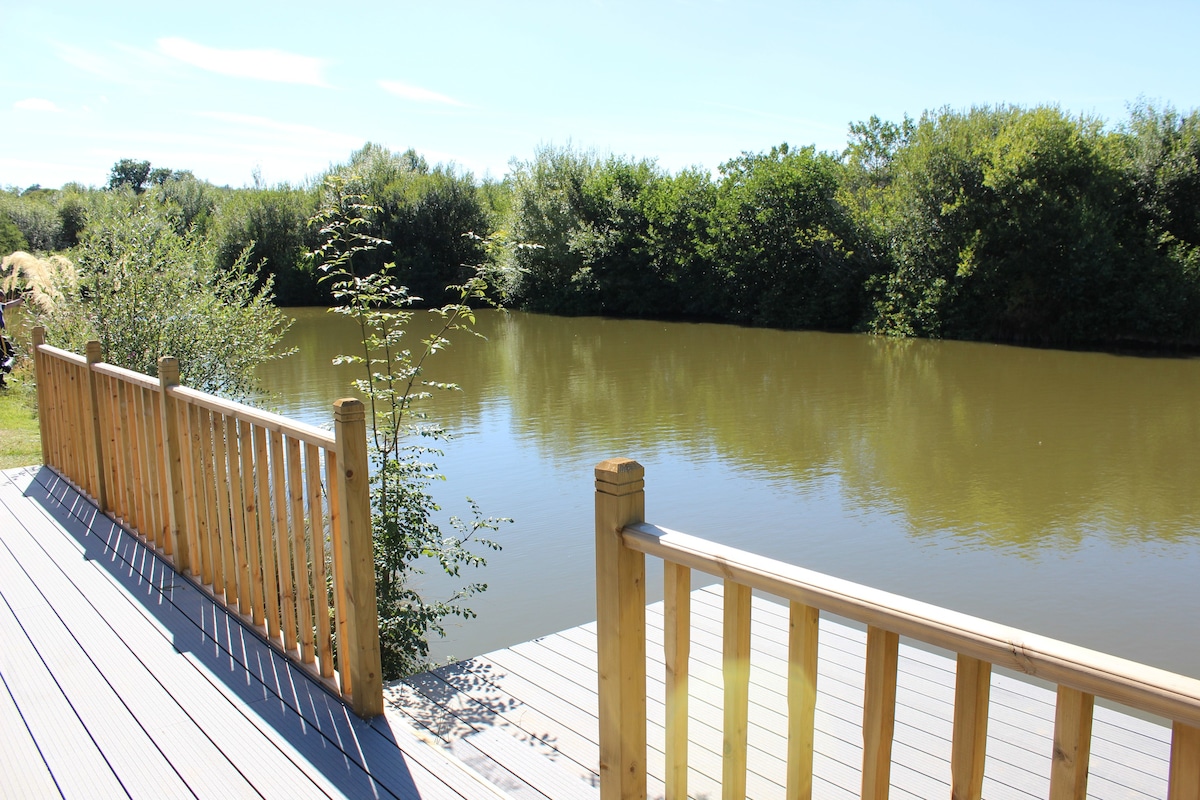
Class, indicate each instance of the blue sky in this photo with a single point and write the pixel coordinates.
(225, 89)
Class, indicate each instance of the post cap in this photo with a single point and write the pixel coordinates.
(619, 476)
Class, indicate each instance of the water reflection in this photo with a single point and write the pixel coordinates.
(870, 458)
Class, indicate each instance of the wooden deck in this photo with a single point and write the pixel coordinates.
(532, 708)
(122, 679)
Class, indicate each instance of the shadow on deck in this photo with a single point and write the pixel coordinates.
(122, 675)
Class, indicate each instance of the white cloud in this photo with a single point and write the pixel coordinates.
(263, 65)
(417, 93)
(36, 104)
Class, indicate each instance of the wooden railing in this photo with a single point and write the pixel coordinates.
(268, 515)
(623, 540)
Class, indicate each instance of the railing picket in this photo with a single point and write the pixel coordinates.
(341, 602)
(190, 462)
(1072, 744)
(262, 483)
(137, 464)
(300, 555)
(1184, 781)
(968, 751)
(879, 711)
(229, 562)
(677, 645)
(736, 671)
(254, 553)
(803, 632)
(237, 506)
(316, 513)
(272, 515)
(212, 524)
(279, 513)
(152, 451)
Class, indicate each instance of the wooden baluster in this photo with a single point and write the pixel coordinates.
(1184, 782)
(124, 442)
(735, 668)
(879, 711)
(262, 481)
(137, 481)
(177, 534)
(279, 513)
(803, 632)
(621, 630)
(324, 643)
(162, 486)
(677, 642)
(237, 508)
(968, 751)
(97, 439)
(41, 377)
(300, 555)
(229, 564)
(337, 544)
(349, 473)
(193, 476)
(212, 526)
(76, 468)
(1072, 744)
(254, 553)
(151, 446)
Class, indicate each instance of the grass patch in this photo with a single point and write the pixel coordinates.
(20, 440)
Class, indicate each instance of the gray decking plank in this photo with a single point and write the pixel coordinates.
(75, 761)
(396, 760)
(256, 750)
(23, 771)
(447, 727)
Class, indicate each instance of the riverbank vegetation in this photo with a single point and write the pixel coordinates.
(1027, 225)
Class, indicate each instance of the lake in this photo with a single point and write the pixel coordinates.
(1053, 491)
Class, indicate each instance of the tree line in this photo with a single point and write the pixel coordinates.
(1002, 223)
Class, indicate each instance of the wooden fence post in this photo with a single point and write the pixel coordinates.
(41, 376)
(621, 629)
(172, 459)
(357, 560)
(94, 356)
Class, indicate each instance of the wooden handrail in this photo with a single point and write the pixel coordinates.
(1080, 673)
(1146, 688)
(254, 507)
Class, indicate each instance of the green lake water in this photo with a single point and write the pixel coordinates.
(1053, 491)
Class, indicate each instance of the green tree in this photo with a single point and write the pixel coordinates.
(145, 291)
(787, 242)
(131, 173)
(423, 215)
(271, 227)
(11, 239)
(403, 524)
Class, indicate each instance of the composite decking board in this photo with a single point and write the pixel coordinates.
(106, 670)
(242, 743)
(441, 723)
(515, 749)
(555, 674)
(1009, 689)
(23, 770)
(490, 707)
(428, 774)
(420, 769)
(401, 762)
(1024, 728)
(72, 757)
(704, 724)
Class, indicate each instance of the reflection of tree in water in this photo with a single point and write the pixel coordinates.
(1011, 447)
